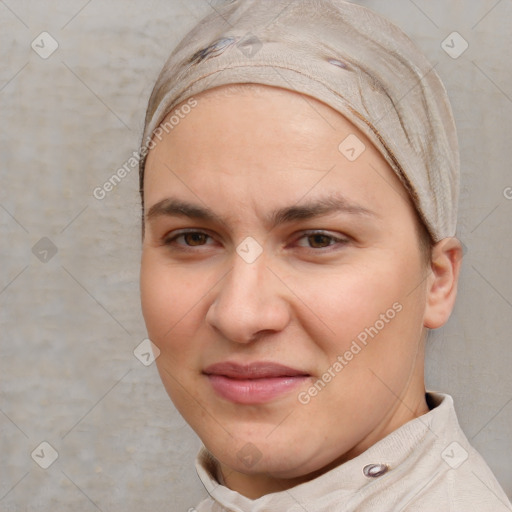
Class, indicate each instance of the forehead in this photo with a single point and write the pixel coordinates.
(258, 116)
(249, 143)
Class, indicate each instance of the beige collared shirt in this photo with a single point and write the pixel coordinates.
(427, 465)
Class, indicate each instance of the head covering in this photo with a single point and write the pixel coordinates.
(344, 55)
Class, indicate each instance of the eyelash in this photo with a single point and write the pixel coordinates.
(171, 241)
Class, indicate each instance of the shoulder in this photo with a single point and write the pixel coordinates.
(461, 480)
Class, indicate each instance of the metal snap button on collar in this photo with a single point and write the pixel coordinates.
(375, 470)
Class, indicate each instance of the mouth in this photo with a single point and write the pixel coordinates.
(253, 383)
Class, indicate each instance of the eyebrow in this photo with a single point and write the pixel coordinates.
(330, 204)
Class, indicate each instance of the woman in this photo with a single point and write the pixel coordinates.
(299, 188)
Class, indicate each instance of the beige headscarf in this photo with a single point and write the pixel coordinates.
(345, 55)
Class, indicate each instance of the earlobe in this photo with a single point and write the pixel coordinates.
(442, 285)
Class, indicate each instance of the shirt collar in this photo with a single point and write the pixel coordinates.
(387, 460)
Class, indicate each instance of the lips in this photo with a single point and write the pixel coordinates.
(253, 383)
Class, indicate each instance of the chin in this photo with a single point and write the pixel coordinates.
(279, 459)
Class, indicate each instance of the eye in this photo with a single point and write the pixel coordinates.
(320, 240)
(187, 239)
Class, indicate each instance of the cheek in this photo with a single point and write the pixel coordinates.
(167, 300)
(364, 302)
(347, 299)
(156, 297)
(375, 326)
(170, 317)
(174, 305)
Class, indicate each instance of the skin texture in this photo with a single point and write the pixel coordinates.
(303, 301)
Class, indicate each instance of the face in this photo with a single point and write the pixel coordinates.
(282, 282)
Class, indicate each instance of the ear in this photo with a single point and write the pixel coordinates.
(442, 284)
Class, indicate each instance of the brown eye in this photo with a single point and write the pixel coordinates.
(195, 238)
(318, 240)
(187, 239)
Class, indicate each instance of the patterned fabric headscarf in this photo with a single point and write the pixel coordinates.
(345, 55)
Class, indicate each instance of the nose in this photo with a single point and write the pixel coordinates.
(250, 302)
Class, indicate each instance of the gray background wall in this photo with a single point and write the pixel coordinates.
(70, 320)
